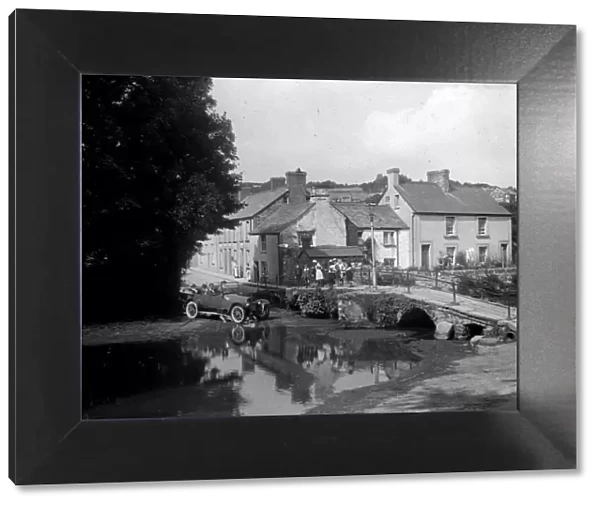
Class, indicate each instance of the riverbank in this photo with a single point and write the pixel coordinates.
(472, 379)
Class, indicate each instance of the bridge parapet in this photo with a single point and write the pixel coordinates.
(390, 310)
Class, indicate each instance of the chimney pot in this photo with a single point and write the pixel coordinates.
(393, 176)
(296, 183)
(441, 178)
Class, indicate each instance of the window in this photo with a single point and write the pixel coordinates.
(483, 253)
(360, 237)
(396, 201)
(389, 262)
(450, 225)
(481, 226)
(387, 200)
(263, 242)
(305, 239)
(388, 238)
(450, 255)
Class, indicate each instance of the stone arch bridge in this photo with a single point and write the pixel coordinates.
(450, 322)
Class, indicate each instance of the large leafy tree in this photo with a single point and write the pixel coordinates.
(157, 177)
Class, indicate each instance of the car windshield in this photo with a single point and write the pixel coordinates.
(228, 288)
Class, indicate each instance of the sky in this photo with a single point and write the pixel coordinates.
(349, 131)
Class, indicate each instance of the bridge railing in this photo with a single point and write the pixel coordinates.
(505, 297)
(409, 279)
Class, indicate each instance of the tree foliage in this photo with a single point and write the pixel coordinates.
(157, 177)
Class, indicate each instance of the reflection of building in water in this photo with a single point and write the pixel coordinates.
(283, 381)
(301, 390)
(248, 365)
(326, 378)
(276, 340)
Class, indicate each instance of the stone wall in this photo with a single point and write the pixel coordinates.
(372, 309)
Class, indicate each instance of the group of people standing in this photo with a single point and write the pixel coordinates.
(334, 272)
(240, 271)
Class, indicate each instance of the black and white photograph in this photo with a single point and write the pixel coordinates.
(263, 247)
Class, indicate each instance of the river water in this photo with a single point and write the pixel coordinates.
(285, 366)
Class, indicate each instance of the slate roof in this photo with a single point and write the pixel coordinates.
(430, 198)
(283, 218)
(334, 252)
(256, 202)
(358, 213)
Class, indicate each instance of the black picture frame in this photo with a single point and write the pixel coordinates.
(50, 444)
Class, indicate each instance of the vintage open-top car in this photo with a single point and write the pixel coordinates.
(223, 300)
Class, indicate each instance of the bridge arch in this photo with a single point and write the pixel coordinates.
(417, 318)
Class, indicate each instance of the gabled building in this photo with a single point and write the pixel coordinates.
(390, 233)
(444, 221)
(295, 227)
(221, 252)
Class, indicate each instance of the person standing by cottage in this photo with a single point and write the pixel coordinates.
(338, 272)
(306, 275)
(234, 266)
(343, 269)
(248, 273)
(319, 274)
(331, 273)
(348, 274)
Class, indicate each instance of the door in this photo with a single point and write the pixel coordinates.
(425, 254)
(256, 276)
(504, 253)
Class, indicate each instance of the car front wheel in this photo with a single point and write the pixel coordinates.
(238, 314)
(191, 309)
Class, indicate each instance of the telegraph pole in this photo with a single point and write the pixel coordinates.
(371, 216)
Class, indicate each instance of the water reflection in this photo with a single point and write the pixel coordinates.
(255, 369)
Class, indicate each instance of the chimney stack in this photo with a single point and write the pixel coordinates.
(393, 177)
(296, 183)
(243, 193)
(277, 182)
(441, 178)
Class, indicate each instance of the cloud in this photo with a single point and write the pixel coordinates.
(444, 115)
(464, 128)
(350, 131)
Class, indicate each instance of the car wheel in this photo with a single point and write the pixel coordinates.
(191, 309)
(237, 313)
(238, 334)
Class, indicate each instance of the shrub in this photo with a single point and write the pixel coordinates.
(315, 307)
(461, 259)
(292, 300)
(318, 303)
(385, 311)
